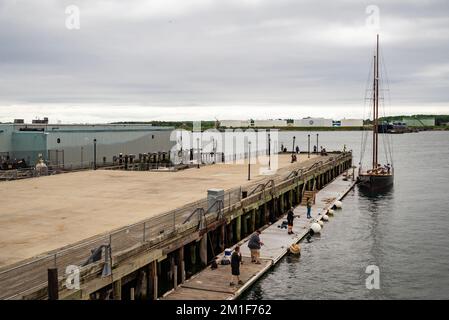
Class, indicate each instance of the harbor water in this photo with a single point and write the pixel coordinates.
(404, 232)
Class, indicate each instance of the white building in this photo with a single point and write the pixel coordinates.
(313, 122)
(235, 123)
(351, 122)
(270, 123)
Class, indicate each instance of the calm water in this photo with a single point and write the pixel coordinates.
(404, 232)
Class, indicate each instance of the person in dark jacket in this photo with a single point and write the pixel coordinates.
(236, 259)
(290, 217)
(254, 245)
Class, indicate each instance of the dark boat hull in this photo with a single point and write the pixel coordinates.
(375, 182)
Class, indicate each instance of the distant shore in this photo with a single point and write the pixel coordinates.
(365, 128)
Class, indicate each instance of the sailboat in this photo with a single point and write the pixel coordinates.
(378, 176)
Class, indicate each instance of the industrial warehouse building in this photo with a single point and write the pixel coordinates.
(72, 145)
(235, 123)
(269, 123)
(313, 122)
(348, 123)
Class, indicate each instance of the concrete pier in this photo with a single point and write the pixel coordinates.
(157, 224)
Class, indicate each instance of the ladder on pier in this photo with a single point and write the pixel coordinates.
(308, 194)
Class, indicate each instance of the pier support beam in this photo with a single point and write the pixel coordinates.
(53, 291)
(203, 250)
(141, 290)
(282, 205)
(238, 227)
(152, 280)
(117, 289)
(230, 237)
(290, 198)
(253, 221)
(175, 276)
(181, 265)
(222, 237)
(244, 224)
(265, 214)
(259, 215)
(298, 194)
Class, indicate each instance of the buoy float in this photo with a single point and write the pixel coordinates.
(321, 223)
(338, 204)
(330, 212)
(325, 217)
(316, 228)
(295, 248)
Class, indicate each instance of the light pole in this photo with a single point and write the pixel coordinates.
(269, 151)
(317, 143)
(308, 146)
(213, 149)
(199, 154)
(249, 160)
(95, 154)
(182, 155)
(293, 148)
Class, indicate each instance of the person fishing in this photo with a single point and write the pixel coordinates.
(236, 260)
(254, 245)
(309, 208)
(290, 217)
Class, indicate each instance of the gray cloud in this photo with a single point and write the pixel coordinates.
(158, 53)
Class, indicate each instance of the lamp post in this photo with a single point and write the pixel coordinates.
(317, 143)
(293, 148)
(213, 150)
(308, 146)
(95, 154)
(182, 155)
(199, 154)
(249, 160)
(269, 151)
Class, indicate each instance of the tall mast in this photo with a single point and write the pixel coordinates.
(377, 99)
(374, 114)
(376, 105)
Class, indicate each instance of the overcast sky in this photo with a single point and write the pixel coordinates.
(200, 59)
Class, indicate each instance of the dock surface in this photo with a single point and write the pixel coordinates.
(43, 214)
(214, 284)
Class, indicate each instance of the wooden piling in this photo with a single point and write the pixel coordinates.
(53, 290)
(253, 221)
(238, 228)
(180, 264)
(117, 289)
(203, 250)
(175, 276)
(222, 236)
